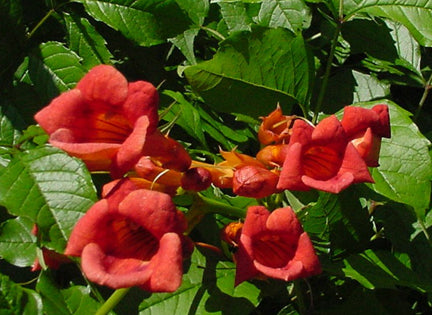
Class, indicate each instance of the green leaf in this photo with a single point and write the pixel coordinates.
(17, 300)
(254, 71)
(368, 88)
(11, 124)
(72, 301)
(378, 269)
(406, 46)
(235, 16)
(231, 1)
(338, 221)
(415, 15)
(50, 188)
(294, 15)
(371, 37)
(208, 287)
(147, 23)
(405, 167)
(54, 68)
(17, 243)
(348, 86)
(407, 237)
(188, 117)
(219, 125)
(196, 9)
(185, 43)
(86, 42)
(399, 71)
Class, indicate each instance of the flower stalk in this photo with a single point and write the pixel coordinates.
(112, 301)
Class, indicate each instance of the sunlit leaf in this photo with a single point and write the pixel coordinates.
(369, 88)
(145, 22)
(254, 71)
(405, 167)
(17, 244)
(50, 188)
(378, 269)
(338, 221)
(17, 300)
(294, 15)
(87, 42)
(11, 124)
(53, 68)
(185, 42)
(235, 16)
(196, 9)
(415, 15)
(208, 287)
(71, 301)
(407, 47)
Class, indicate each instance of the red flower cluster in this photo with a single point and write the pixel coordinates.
(134, 236)
(299, 156)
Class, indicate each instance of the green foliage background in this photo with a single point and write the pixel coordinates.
(220, 65)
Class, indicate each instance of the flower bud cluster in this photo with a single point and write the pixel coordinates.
(297, 155)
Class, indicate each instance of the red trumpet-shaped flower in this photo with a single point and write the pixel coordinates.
(321, 158)
(133, 237)
(272, 245)
(365, 128)
(109, 123)
(94, 120)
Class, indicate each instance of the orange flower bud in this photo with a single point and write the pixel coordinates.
(275, 128)
(272, 155)
(231, 233)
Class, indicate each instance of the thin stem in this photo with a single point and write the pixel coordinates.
(327, 73)
(42, 21)
(113, 300)
(424, 230)
(427, 88)
(300, 296)
(341, 3)
(329, 63)
(216, 33)
(377, 235)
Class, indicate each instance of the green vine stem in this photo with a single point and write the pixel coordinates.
(299, 291)
(42, 21)
(424, 230)
(427, 88)
(203, 205)
(209, 205)
(324, 84)
(334, 43)
(112, 301)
